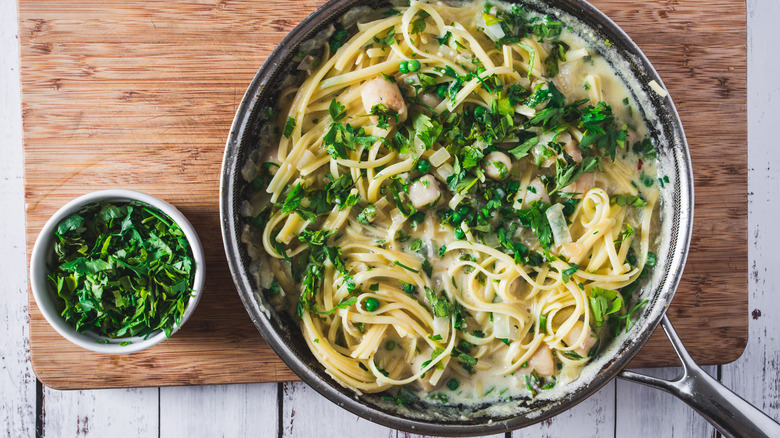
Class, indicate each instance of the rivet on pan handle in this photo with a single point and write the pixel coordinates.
(728, 412)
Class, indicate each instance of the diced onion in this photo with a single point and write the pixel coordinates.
(595, 88)
(249, 171)
(437, 374)
(380, 207)
(307, 63)
(441, 327)
(396, 216)
(306, 158)
(573, 55)
(266, 276)
(525, 111)
(418, 144)
(576, 133)
(446, 52)
(381, 203)
(467, 231)
(491, 240)
(247, 237)
(547, 137)
(375, 52)
(445, 171)
(568, 374)
(557, 220)
(439, 157)
(455, 201)
(657, 88)
(356, 15)
(417, 363)
(503, 328)
(246, 209)
(494, 31)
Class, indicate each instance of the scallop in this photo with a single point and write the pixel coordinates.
(572, 338)
(378, 91)
(497, 165)
(424, 192)
(543, 362)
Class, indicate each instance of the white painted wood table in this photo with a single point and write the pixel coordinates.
(621, 409)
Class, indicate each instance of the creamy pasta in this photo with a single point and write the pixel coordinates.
(454, 200)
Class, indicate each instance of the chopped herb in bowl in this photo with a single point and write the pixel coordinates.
(122, 270)
(117, 271)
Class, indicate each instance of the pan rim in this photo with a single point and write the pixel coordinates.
(230, 230)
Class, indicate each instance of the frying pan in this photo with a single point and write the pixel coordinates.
(728, 412)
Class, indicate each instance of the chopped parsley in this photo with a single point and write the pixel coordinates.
(289, 127)
(388, 39)
(396, 262)
(624, 200)
(341, 137)
(338, 39)
(121, 270)
(440, 306)
(418, 25)
(337, 110)
(603, 303)
(557, 54)
(367, 215)
(343, 304)
(600, 130)
(427, 268)
(567, 273)
(384, 115)
(444, 39)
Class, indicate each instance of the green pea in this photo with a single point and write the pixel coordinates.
(423, 166)
(371, 304)
(414, 65)
(479, 111)
(441, 91)
(403, 67)
(456, 218)
(459, 233)
(390, 345)
(453, 384)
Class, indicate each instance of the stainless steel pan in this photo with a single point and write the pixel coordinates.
(729, 413)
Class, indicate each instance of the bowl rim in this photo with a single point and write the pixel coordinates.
(44, 297)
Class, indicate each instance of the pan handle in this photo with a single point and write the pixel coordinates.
(728, 412)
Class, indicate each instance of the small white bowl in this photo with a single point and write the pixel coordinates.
(45, 297)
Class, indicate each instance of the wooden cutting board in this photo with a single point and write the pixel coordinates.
(141, 95)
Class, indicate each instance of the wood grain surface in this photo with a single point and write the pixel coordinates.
(141, 95)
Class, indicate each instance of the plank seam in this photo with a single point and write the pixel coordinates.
(279, 410)
(720, 379)
(615, 409)
(38, 409)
